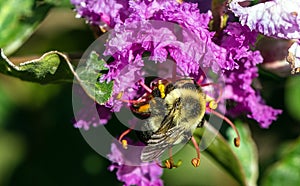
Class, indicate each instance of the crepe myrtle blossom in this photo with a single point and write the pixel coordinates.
(190, 45)
(89, 118)
(145, 174)
(237, 40)
(233, 57)
(97, 12)
(278, 18)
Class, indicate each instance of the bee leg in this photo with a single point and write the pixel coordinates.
(200, 125)
(196, 161)
(123, 141)
(169, 163)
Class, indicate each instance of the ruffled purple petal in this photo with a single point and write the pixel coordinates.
(87, 117)
(101, 12)
(145, 174)
(279, 18)
(237, 40)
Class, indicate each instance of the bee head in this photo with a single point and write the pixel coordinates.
(186, 103)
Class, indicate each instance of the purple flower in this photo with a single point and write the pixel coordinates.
(162, 30)
(144, 174)
(262, 113)
(98, 12)
(87, 112)
(237, 40)
(92, 116)
(188, 43)
(279, 18)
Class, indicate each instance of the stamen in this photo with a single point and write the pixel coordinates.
(196, 161)
(200, 80)
(169, 163)
(237, 140)
(209, 84)
(120, 94)
(149, 90)
(124, 144)
(123, 141)
(133, 101)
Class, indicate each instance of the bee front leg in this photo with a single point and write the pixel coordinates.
(200, 125)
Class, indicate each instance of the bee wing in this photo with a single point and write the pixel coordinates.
(159, 141)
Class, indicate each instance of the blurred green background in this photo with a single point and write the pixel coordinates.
(40, 146)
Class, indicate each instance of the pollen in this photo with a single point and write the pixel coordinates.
(237, 142)
(196, 162)
(169, 164)
(213, 104)
(120, 94)
(144, 108)
(124, 144)
(161, 88)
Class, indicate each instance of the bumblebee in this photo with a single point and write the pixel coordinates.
(174, 111)
(171, 112)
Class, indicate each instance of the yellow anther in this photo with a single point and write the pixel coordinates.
(161, 88)
(213, 104)
(169, 164)
(178, 163)
(120, 94)
(196, 162)
(124, 144)
(237, 142)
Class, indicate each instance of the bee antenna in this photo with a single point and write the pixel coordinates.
(237, 140)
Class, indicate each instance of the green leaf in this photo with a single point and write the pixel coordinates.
(246, 153)
(292, 92)
(18, 20)
(89, 74)
(221, 152)
(52, 67)
(287, 170)
(55, 67)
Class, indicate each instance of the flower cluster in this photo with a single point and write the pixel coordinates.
(144, 174)
(192, 49)
(237, 40)
(96, 12)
